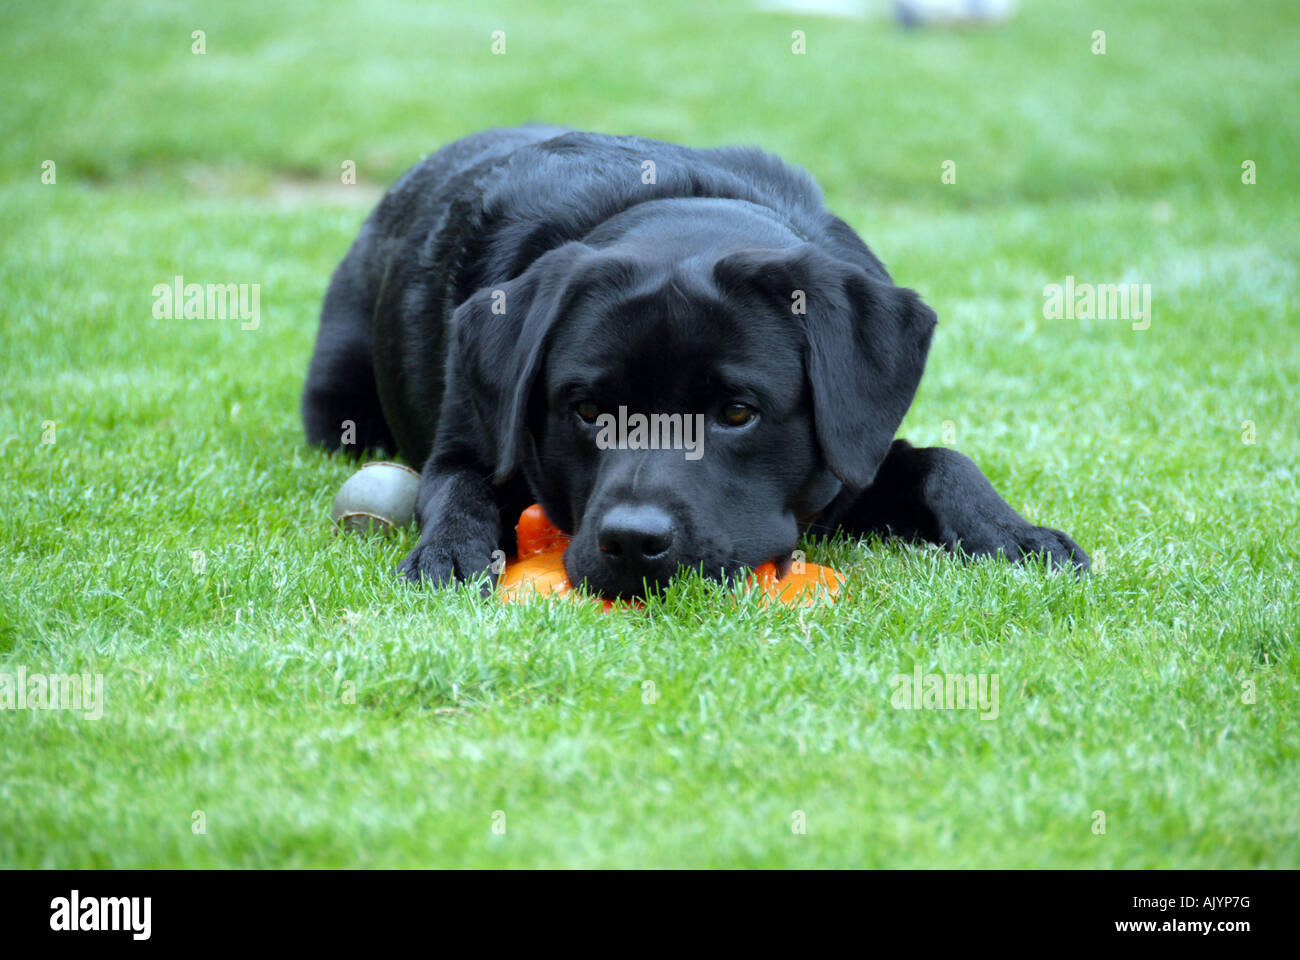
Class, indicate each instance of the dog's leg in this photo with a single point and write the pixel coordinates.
(460, 527)
(940, 496)
(340, 403)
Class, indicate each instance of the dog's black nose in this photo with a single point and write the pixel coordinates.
(635, 534)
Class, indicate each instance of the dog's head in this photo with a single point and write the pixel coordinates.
(689, 409)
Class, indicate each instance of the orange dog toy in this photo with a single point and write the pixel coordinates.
(539, 569)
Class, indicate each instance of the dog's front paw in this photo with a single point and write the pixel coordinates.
(1023, 541)
(1057, 549)
(441, 563)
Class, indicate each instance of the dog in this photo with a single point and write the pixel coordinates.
(522, 291)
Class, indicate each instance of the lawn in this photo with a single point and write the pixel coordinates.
(273, 696)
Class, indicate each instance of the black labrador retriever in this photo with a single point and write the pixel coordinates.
(681, 354)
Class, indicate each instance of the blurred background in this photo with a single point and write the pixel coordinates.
(286, 92)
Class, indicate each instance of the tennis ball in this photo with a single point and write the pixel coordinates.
(378, 498)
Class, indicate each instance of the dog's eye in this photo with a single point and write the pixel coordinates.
(586, 411)
(736, 414)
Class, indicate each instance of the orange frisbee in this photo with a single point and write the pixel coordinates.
(798, 587)
(539, 569)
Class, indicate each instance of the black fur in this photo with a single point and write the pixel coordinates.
(519, 273)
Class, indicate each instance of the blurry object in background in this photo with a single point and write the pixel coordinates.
(945, 13)
(848, 9)
(909, 13)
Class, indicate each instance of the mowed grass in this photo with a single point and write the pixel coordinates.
(281, 690)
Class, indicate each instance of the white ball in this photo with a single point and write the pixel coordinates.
(916, 13)
(380, 497)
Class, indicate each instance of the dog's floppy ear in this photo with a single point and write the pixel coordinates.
(864, 366)
(501, 335)
(866, 344)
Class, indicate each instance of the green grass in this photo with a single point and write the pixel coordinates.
(319, 712)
